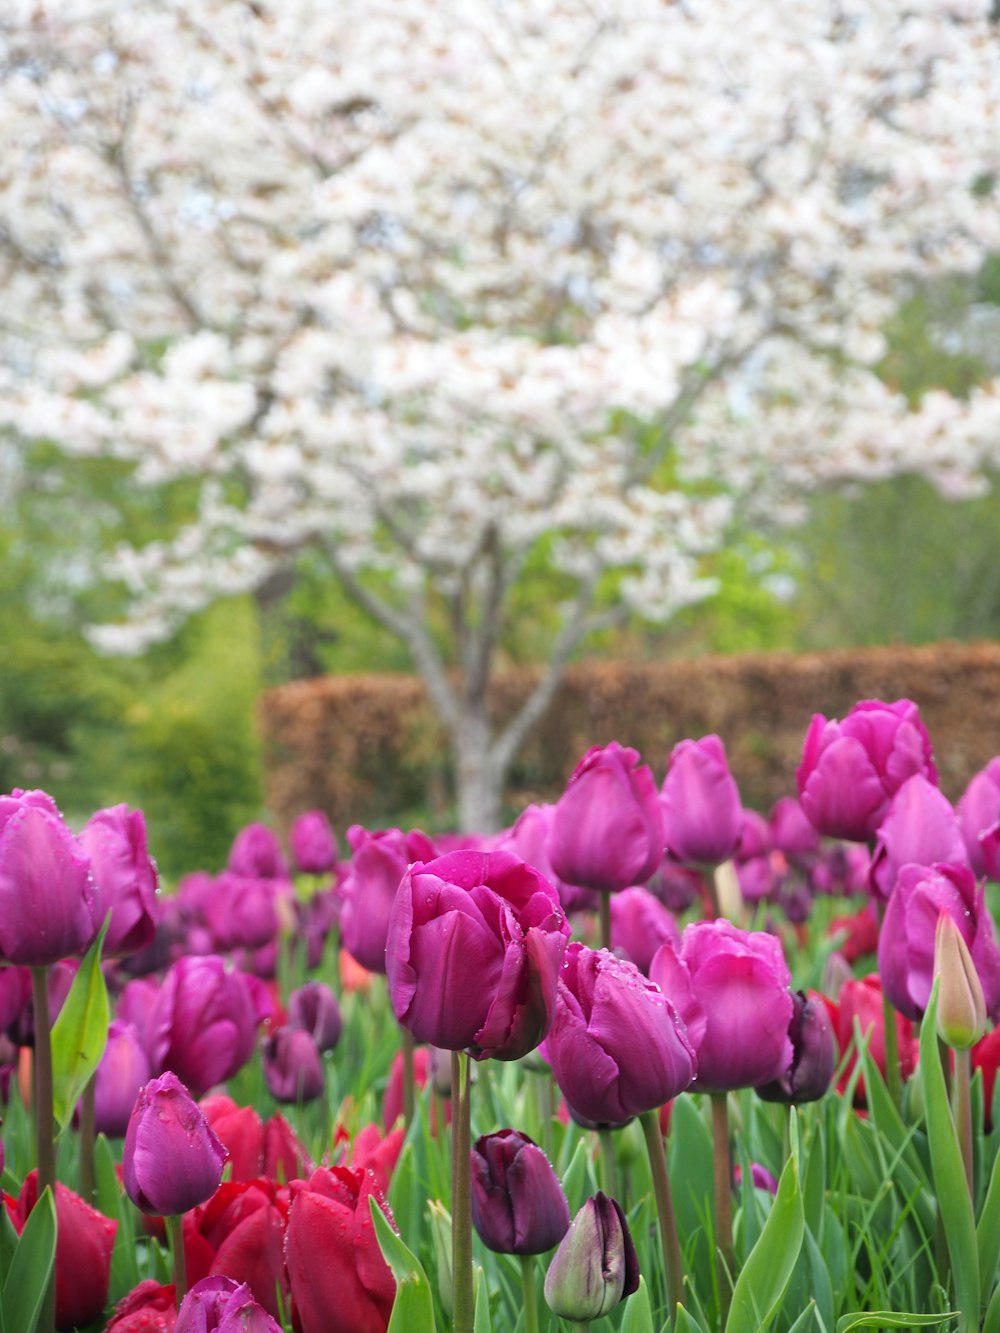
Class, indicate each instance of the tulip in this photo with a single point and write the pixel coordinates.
(814, 1054)
(85, 1240)
(760, 1178)
(243, 911)
(616, 1046)
(15, 995)
(639, 925)
(125, 878)
(986, 1056)
(920, 826)
(243, 1226)
(731, 988)
(702, 812)
(474, 947)
(314, 1008)
(850, 770)
(371, 1151)
(861, 1000)
(607, 829)
(48, 907)
(518, 1204)
(677, 887)
(335, 1266)
(378, 864)
(293, 1066)
(284, 1156)
(791, 829)
(595, 1267)
(979, 819)
(906, 942)
(123, 1070)
(529, 839)
(220, 1305)
(256, 854)
(313, 843)
(755, 837)
(203, 1024)
(240, 1131)
(392, 1100)
(961, 1013)
(150, 1307)
(860, 931)
(172, 1160)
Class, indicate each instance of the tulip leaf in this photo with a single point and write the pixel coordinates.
(483, 1320)
(948, 1172)
(80, 1033)
(685, 1322)
(766, 1273)
(890, 1319)
(31, 1268)
(414, 1306)
(638, 1314)
(991, 1323)
(988, 1233)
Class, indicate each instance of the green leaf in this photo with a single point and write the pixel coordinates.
(31, 1268)
(765, 1275)
(988, 1234)
(685, 1322)
(112, 1203)
(578, 1180)
(638, 1313)
(80, 1033)
(991, 1324)
(889, 1319)
(948, 1171)
(414, 1306)
(805, 1320)
(483, 1319)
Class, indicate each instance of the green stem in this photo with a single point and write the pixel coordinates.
(545, 1106)
(672, 1262)
(461, 1213)
(893, 1077)
(530, 1290)
(723, 1194)
(712, 890)
(609, 1163)
(963, 1111)
(409, 1077)
(88, 1184)
(175, 1230)
(44, 1120)
(605, 910)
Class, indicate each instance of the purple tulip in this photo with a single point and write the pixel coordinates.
(222, 1305)
(755, 837)
(136, 1003)
(529, 839)
(15, 994)
(760, 1177)
(313, 843)
(639, 925)
(172, 1160)
(702, 813)
(124, 876)
(122, 1072)
(607, 830)
(242, 912)
(791, 829)
(677, 887)
(731, 988)
(293, 1066)
(979, 818)
(617, 1047)
(256, 853)
(518, 1204)
(920, 826)
(906, 941)
(314, 1008)
(814, 1054)
(48, 908)
(474, 947)
(378, 863)
(595, 1267)
(203, 1024)
(850, 770)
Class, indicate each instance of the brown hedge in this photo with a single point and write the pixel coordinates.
(368, 749)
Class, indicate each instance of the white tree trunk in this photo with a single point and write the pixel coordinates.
(479, 778)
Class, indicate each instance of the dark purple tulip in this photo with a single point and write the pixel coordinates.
(791, 829)
(293, 1066)
(702, 812)
(814, 1054)
(920, 826)
(518, 1204)
(378, 863)
(222, 1305)
(529, 839)
(595, 1267)
(617, 1047)
(731, 988)
(48, 908)
(639, 925)
(474, 947)
(850, 770)
(313, 843)
(172, 1160)
(124, 876)
(906, 940)
(203, 1024)
(256, 853)
(677, 887)
(314, 1008)
(979, 818)
(242, 912)
(123, 1071)
(607, 830)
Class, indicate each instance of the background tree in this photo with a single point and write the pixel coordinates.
(457, 296)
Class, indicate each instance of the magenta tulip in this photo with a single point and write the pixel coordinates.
(378, 863)
(920, 826)
(313, 843)
(529, 839)
(243, 911)
(203, 1024)
(639, 925)
(979, 819)
(222, 1305)
(172, 1160)
(122, 1072)
(792, 830)
(256, 853)
(124, 876)
(702, 812)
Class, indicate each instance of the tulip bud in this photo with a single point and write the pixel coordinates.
(313, 843)
(172, 1159)
(293, 1066)
(518, 1204)
(814, 1054)
(314, 1008)
(961, 1015)
(221, 1305)
(595, 1266)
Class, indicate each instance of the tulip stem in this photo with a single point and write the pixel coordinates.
(463, 1308)
(893, 1077)
(609, 1164)
(963, 1111)
(175, 1231)
(723, 1194)
(530, 1290)
(87, 1137)
(605, 911)
(672, 1262)
(409, 1077)
(44, 1120)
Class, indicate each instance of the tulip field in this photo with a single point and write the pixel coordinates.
(646, 1060)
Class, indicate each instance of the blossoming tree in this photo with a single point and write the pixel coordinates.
(447, 290)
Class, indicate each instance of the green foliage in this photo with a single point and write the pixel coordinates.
(80, 1033)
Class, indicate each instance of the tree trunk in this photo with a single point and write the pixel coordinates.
(479, 778)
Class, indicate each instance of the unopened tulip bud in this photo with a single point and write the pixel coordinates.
(293, 1066)
(518, 1204)
(172, 1159)
(814, 1054)
(961, 1015)
(595, 1266)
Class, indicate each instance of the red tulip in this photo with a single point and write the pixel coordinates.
(244, 1224)
(147, 1308)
